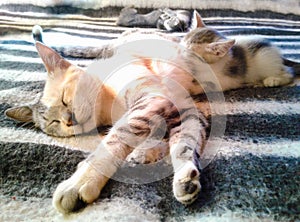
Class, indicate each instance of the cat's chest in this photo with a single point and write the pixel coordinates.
(126, 78)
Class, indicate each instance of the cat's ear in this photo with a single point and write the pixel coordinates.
(20, 113)
(197, 21)
(220, 48)
(52, 60)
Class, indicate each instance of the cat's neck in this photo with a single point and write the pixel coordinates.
(219, 66)
(220, 69)
(108, 107)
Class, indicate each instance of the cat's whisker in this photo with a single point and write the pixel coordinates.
(25, 124)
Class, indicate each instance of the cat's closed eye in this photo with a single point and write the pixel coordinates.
(64, 103)
(55, 122)
(63, 100)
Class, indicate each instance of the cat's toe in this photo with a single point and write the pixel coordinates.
(271, 82)
(76, 192)
(186, 184)
(67, 200)
(136, 157)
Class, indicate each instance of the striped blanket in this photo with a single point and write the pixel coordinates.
(254, 176)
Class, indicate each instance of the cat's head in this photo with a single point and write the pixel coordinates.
(207, 42)
(67, 105)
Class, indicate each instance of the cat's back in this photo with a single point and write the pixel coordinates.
(255, 46)
(262, 58)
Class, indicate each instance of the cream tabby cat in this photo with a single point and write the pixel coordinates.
(237, 63)
(146, 101)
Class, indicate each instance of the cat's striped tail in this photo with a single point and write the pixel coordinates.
(88, 52)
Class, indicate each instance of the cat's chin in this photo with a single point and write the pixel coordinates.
(64, 132)
(78, 129)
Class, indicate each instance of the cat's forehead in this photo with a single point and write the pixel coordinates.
(40, 106)
(202, 35)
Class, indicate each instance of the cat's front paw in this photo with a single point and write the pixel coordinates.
(78, 191)
(186, 184)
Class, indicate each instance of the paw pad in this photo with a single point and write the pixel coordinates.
(186, 184)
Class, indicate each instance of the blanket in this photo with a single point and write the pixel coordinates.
(253, 176)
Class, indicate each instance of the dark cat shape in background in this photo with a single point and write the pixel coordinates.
(165, 19)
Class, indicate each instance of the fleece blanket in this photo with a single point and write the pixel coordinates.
(254, 174)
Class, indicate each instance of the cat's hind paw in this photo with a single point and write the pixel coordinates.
(148, 155)
(186, 184)
(273, 81)
(79, 190)
(138, 156)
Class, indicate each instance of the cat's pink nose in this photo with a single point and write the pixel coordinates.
(69, 119)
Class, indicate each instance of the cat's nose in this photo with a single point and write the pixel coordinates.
(69, 119)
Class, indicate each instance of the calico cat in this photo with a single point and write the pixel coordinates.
(150, 104)
(237, 63)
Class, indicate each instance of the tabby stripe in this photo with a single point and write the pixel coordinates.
(142, 119)
(113, 140)
(204, 138)
(123, 129)
(186, 150)
(191, 137)
(174, 123)
(179, 134)
(139, 107)
(198, 117)
(174, 114)
(139, 127)
(193, 117)
(184, 110)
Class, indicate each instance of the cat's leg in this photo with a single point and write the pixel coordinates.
(85, 185)
(279, 80)
(153, 111)
(132, 130)
(186, 141)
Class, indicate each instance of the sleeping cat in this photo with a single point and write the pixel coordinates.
(237, 63)
(243, 62)
(146, 101)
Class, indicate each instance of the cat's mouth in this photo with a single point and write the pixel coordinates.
(72, 121)
(76, 127)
